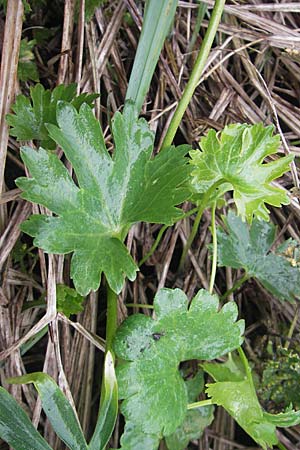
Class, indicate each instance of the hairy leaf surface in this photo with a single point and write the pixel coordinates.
(236, 157)
(249, 248)
(154, 393)
(32, 114)
(239, 399)
(92, 219)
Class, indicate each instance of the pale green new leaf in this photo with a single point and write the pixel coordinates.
(236, 156)
(32, 114)
(108, 409)
(15, 426)
(249, 248)
(239, 399)
(57, 408)
(154, 393)
(92, 219)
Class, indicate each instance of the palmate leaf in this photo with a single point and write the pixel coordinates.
(236, 157)
(31, 115)
(249, 248)
(94, 218)
(154, 393)
(235, 392)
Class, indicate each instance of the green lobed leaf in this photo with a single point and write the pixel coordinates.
(249, 248)
(68, 300)
(114, 193)
(27, 69)
(154, 393)
(109, 407)
(239, 399)
(15, 426)
(32, 114)
(236, 156)
(57, 408)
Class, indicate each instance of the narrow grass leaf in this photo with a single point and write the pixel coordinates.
(57, 409)
(158, 19)
(15, 426)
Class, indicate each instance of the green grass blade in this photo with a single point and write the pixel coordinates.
(158, 19)
(15, 426)
(108, 409)
(57, 408)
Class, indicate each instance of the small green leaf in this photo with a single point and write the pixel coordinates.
(239, 399)
(68, 300)
(154, 393)
(236, 157)
(27, 69)
(113, 193)
(31, 115)
(249, 248)
(108, 409)
(57, 409)
(15, 426)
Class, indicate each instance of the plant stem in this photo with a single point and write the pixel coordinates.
(154, 246)
(292, 329)
(191, 237)
(281, 446)
(215, 249)
(196, 73)
(236, 286)
(200, 404)
(160, 234)
(205, 202)
(138, 305)
(247, 368)
(111, 319)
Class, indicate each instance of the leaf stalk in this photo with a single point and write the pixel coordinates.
(196, 72)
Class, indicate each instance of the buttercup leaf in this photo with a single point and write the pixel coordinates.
(249, 248)
(239, 398)
(93, 218)
(236, 157)
(154, 393)
(31, 115)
